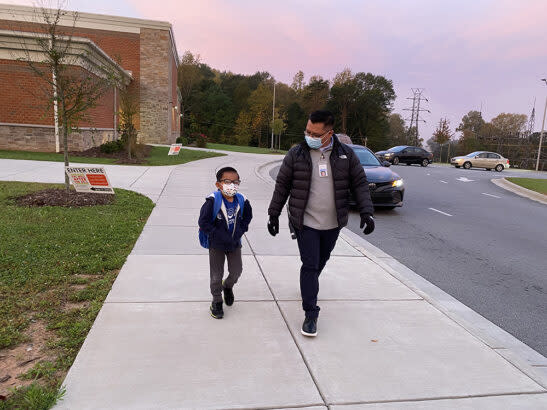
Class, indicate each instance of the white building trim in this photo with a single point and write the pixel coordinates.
(94, 21)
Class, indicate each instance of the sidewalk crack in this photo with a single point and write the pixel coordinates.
(288, 326)
(139, 177)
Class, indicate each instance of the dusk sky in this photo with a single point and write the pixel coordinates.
(462, 52)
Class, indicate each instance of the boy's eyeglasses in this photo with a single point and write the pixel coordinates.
(229, 181)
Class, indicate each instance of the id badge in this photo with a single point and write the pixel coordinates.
(323, 170)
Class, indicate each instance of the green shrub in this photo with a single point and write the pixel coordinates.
(182, 140)
(111, 147)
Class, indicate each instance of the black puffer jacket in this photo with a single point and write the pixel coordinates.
(294, 179)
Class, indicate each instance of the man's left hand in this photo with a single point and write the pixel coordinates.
(368, 220)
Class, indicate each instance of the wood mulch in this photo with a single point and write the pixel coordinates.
(143, 151)
(64, 198)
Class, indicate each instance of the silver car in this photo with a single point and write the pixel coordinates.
(481, 159)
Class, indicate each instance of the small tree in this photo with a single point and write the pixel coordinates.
(278, 126)
(54, 57)
(443, 135)
(243, 128)
(128, 110)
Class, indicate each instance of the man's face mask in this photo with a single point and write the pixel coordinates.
(314, 143)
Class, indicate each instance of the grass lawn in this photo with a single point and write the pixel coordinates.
(56, 267)
(239, 148)
(158, 156)
(534, 184)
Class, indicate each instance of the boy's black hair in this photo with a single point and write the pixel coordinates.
(221, 172)
(322, 116)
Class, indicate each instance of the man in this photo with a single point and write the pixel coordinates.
(318, 175)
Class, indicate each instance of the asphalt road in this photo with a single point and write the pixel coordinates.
(480, 243)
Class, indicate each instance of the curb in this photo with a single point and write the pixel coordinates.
(517, 189)
(520, 355)
(259, 169)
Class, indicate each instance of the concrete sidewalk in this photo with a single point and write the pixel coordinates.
(383, 342)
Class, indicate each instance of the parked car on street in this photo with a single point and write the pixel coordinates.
(407, 155)
(386, 187)
(481, 159)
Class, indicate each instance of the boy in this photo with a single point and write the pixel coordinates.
(224, 233)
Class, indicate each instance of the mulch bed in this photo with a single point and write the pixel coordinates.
(62, 197)
(143, 151)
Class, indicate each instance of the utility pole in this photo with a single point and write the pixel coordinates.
(273, 116)
(542, 129)
(417, 98)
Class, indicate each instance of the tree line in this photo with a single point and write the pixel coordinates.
(237, 109)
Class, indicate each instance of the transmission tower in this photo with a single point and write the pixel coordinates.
(531, 121)
(414, 119)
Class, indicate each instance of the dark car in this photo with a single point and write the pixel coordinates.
(386, 187)
(407, 155)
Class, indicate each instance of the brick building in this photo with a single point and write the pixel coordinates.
(142, 52)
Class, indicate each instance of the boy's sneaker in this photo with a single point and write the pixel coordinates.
(309, 327)
(216, 310)
(228, 296)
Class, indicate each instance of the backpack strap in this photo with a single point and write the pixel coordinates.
(217, 195)
(241, 203)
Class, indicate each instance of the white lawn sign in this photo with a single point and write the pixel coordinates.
(89, 179)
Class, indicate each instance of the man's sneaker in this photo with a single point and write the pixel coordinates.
(228, 296)
(216, 310)
(309, 327)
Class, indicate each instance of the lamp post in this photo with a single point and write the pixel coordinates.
(542, 129)
(273, 116)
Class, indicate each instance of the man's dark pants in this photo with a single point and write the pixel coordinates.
(315, 248)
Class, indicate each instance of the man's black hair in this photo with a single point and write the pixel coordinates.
(221, 172)
(322, 116)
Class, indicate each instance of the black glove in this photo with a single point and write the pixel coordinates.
(368, 220)
(273, 225)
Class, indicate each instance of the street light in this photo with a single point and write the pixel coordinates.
(542, 129)
(273, 115)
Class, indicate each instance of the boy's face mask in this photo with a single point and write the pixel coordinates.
(229, 189)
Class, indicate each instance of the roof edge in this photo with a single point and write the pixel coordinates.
(28, 11)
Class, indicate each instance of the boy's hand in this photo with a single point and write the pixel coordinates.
(273, 225)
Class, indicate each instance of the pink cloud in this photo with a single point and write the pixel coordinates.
(250, 37)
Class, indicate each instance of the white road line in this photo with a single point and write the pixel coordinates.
(493, 196)
(441, 212)
(428, 174)
(464, 179)
(444, 182)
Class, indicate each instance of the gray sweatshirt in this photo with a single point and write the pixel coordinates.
(320, 211)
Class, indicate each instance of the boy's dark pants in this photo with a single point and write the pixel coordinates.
(315, 248)
(216, 266)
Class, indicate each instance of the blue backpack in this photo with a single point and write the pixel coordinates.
(203, 237)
